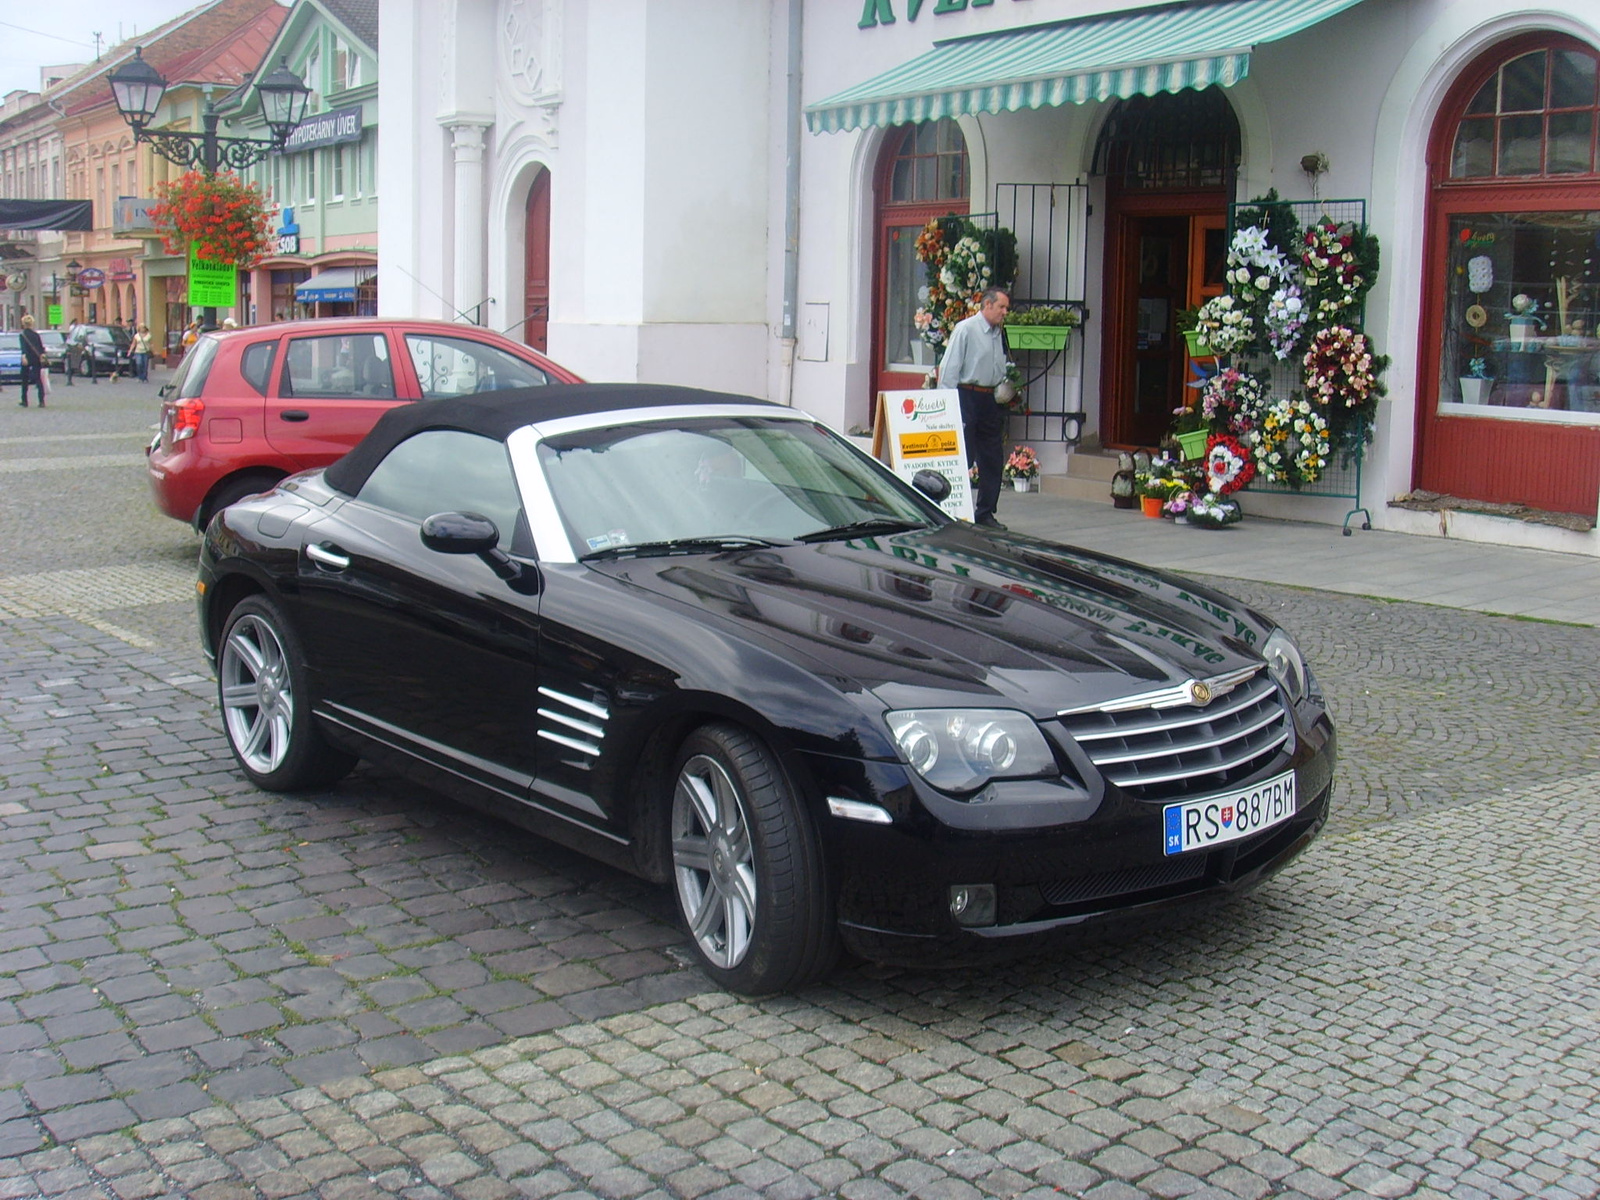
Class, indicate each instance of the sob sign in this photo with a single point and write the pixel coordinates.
(921, 431)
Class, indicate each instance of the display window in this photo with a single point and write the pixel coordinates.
(1520, 262)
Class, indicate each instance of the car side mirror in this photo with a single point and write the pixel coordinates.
(164, 391)
(476, 534)
(932, 485)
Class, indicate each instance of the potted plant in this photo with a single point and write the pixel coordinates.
(1124, 494)
(1208, 510)
(1022, 468)
(1476, 383)
(1041, 327)
(1157, 485)
(1009, 393)
(1523, 322)
(1190, 428)
(1188, 322)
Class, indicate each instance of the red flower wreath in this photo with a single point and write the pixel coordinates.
(1229, 466)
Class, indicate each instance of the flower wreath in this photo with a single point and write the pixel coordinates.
(1286, 320)
(1226, 325)
(1332, 269)
(1289, 442)
(1230, 394)
(1255, 266)
(1228, 465)
(1341, 368)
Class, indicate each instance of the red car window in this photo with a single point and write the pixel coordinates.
(339, 366)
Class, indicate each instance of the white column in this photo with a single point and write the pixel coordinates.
(471, 227)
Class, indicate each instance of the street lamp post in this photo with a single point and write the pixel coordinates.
(139, 87)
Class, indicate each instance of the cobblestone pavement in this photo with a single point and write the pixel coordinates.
(207, 991)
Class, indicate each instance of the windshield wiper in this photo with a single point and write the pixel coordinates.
(694, 545)
(862, 529)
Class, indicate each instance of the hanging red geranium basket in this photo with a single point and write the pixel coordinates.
(225, 215)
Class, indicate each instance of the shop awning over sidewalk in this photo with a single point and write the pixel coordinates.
(1135, 53)
(335, 285)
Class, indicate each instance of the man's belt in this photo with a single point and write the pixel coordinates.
(976, 387)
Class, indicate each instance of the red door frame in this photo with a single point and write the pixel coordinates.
(1123, 209)
(536, 265)
(1554, 467)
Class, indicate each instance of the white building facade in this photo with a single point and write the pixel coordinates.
(726, 194)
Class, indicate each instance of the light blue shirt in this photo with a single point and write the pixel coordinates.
(976, 354)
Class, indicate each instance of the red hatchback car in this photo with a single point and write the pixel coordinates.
(250, 406)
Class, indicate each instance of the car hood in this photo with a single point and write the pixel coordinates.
(913, 617)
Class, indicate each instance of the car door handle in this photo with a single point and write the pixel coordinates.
(324, 557)
(295, 414)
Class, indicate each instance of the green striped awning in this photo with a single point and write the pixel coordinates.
(1135, 53)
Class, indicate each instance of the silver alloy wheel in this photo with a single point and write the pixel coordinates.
(713, 861)
(257, 700)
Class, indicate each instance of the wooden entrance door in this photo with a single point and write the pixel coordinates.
(1164, 253)
(536, 266)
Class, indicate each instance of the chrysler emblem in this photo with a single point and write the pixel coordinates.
(1199, 693)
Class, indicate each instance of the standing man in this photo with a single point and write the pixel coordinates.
(34, 364)
(73, 354)
(974, 364)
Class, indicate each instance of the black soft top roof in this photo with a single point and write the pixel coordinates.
(497, 414)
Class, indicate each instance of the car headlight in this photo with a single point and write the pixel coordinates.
(1287, 667)
(961, 749)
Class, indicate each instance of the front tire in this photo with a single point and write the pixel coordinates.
(746, 866)
(266, 703)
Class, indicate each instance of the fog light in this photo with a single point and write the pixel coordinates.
(972, 904)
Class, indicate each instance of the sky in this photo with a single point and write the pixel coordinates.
(33, 35)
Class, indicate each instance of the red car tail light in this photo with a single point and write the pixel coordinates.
(186, 416)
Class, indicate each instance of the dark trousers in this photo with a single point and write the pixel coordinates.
(984, 424)
(30, 375)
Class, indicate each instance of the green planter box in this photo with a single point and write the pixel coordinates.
(1195, 341)
(1194, 444)
(1038, 337)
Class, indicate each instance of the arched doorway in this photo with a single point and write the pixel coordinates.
(921, 173)
(1511, 294)
(536, 265)
(1169, 163)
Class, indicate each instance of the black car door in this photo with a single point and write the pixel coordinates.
(429, 653)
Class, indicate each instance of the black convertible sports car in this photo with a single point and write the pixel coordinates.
(705, 639)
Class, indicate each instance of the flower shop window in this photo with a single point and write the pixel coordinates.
(1521, 305)
(1517, 279)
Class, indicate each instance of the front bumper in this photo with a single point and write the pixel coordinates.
(1099, 874)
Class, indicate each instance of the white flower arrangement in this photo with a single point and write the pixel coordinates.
(1226, 325)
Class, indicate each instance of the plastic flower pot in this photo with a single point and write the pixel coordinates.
(1023, 483)
(1150, 506)
(1195, 342)
(1038, 337)
(1193, 443)
(1475, 390)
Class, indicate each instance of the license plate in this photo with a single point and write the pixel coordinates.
(1196, 824)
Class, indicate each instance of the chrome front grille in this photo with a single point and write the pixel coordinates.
(1157, 745)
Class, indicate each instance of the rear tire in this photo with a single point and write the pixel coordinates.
(266, 703)
(747, 868)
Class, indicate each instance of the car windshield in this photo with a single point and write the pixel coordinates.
(655, 485)
(52, 337)
(11, 341)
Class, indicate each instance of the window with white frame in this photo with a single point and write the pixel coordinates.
(311, 176)
(336, 164)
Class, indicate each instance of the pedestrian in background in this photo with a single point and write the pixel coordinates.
(974, 363)
(73, 354)
(33, 362)
(141, 353)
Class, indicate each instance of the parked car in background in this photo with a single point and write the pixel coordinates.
(247, 407)
(55, 348)
(10, 358)
(103, 349)
(708, 640)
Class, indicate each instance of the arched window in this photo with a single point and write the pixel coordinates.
(1533, 116)
(1177, 140)
(922, 173)
(1512, 293)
